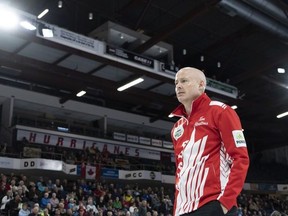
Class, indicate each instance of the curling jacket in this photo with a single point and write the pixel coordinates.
(210, 153)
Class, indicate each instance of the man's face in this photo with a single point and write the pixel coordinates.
(187, 86)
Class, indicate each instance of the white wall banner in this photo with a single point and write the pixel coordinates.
(145, 140)
(132, 138)
(247, 186)
(167, 144)
(9, 163)
(119, 136)
(38, 163)
(68, 38)
(71, 142)
(139, 174)
(168, 179)
(282, 187)
(69, 168)
(156, 142)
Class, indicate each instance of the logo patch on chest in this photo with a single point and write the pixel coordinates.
(178, 132)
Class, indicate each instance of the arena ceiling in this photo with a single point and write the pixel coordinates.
(242, 42)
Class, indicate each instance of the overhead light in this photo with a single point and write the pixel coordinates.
(8, 18)
(43, 13)
(281, 70)
(28, 25)
(218, 64)
(90, 16)
(121, 36)
(282, 115)
(130, 84)
(60, 4)
(45, 30)
(234, 107)
(81, 93)
(202, 58)
(184, 51)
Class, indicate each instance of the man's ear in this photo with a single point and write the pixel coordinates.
(202, 86)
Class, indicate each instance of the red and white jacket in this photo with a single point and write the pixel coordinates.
(211, 155)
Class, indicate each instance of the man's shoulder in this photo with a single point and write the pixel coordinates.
(218, 104)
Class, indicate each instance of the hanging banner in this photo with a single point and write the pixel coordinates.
(74, 143)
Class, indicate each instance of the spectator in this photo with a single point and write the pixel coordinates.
(54, 201)
(45, 212)
(34, 195)
(143, 208)
(24, 211)
(44, 200)
(35, 211)
(6, 199)
(91, 207)
(14, 205)
(117, 204)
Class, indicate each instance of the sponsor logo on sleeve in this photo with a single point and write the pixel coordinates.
(239, 138)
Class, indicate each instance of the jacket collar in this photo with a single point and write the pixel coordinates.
(196, 104)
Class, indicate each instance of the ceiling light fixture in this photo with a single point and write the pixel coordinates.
(8, 18)
(43, 13)
(281, 70)
(28, 25)
(234, 107)
(45, 30)
(130, 84)
(90, 16)
(81, 93)
(202, 58)
(184, 51)
(121, 36)
(282, 115)
(219, 64)
(47, 33)
(60, 4)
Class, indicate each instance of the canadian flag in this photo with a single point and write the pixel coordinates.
(90, 172)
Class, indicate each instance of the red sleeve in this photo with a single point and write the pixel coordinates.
(235, 144)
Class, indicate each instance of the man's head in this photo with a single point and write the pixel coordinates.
(190, 83)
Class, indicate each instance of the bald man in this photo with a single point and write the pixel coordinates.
(210, 150)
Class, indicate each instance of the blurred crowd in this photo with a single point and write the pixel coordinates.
(22, 196)
(46, 197)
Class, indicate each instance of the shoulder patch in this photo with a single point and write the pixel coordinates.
(218, 103)
(239, 138)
